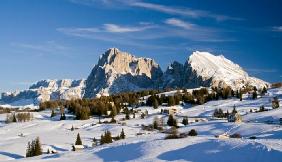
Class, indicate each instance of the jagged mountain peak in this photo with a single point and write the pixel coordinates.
(119, 71)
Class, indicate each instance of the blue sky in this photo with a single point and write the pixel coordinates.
(54, 39)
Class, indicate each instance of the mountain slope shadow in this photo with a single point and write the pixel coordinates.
(214, 151)
(121, 153)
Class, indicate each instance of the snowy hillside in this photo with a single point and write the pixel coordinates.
(141, 145)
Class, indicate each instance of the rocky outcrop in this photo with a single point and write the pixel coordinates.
(46, 90)
(118, 71)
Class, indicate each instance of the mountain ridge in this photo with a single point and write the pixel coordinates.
(118, 71)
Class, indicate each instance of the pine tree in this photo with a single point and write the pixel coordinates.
(37, 149)
(28, 150)
(171, 121)
(72, 128)
(127, 117)
(240, 95)
(234, 111)
(155, 103)
(53, 113)
(264, 91)
(185, 121)
(171, 101)
(14, 118)
(102, 141)
(255, 95)
(122, 135)
(78, 140)
(275, 103)
(63, 116)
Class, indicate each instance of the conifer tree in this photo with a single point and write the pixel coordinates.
(155, 103)
(234, 111)
(37, 149)
(122, 134)
(171, 121)
(127, 117)
(14, 118)
(171, 101)
(255, 95)
(78, 140)
(53, 113)
(185, 121)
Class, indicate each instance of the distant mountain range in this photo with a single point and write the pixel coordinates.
(118, 71)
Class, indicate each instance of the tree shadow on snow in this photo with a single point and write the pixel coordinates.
(121, 153)
(11, 155)
(213, 151)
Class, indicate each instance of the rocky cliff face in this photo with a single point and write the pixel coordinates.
(46, 90)
(119, 71)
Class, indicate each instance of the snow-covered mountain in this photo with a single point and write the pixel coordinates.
(119, 71)
(206, 69)
(46, 90)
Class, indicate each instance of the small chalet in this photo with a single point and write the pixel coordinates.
(77, 147)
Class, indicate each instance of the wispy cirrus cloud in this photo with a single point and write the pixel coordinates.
(181, 11)
(119, 29)
(171, 10)
(179, 23)
(277, 28)
(39, 49)
(111, 28)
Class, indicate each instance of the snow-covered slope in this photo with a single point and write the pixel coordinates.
(119, 71)
(221, 71)
(206, 69)
(151, 145)
(46, 90)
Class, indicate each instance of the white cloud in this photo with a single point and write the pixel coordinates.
(109, 28)
(49, 47)
(172, 10)
(181, 11)
(179, 23)
(277, 28)
(119, 29)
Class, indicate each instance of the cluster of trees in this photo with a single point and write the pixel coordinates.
(218, 113)
(107, 137)
(175, 135)
(19, 117)
(84, 108)
(4, 110)
(34, 148)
